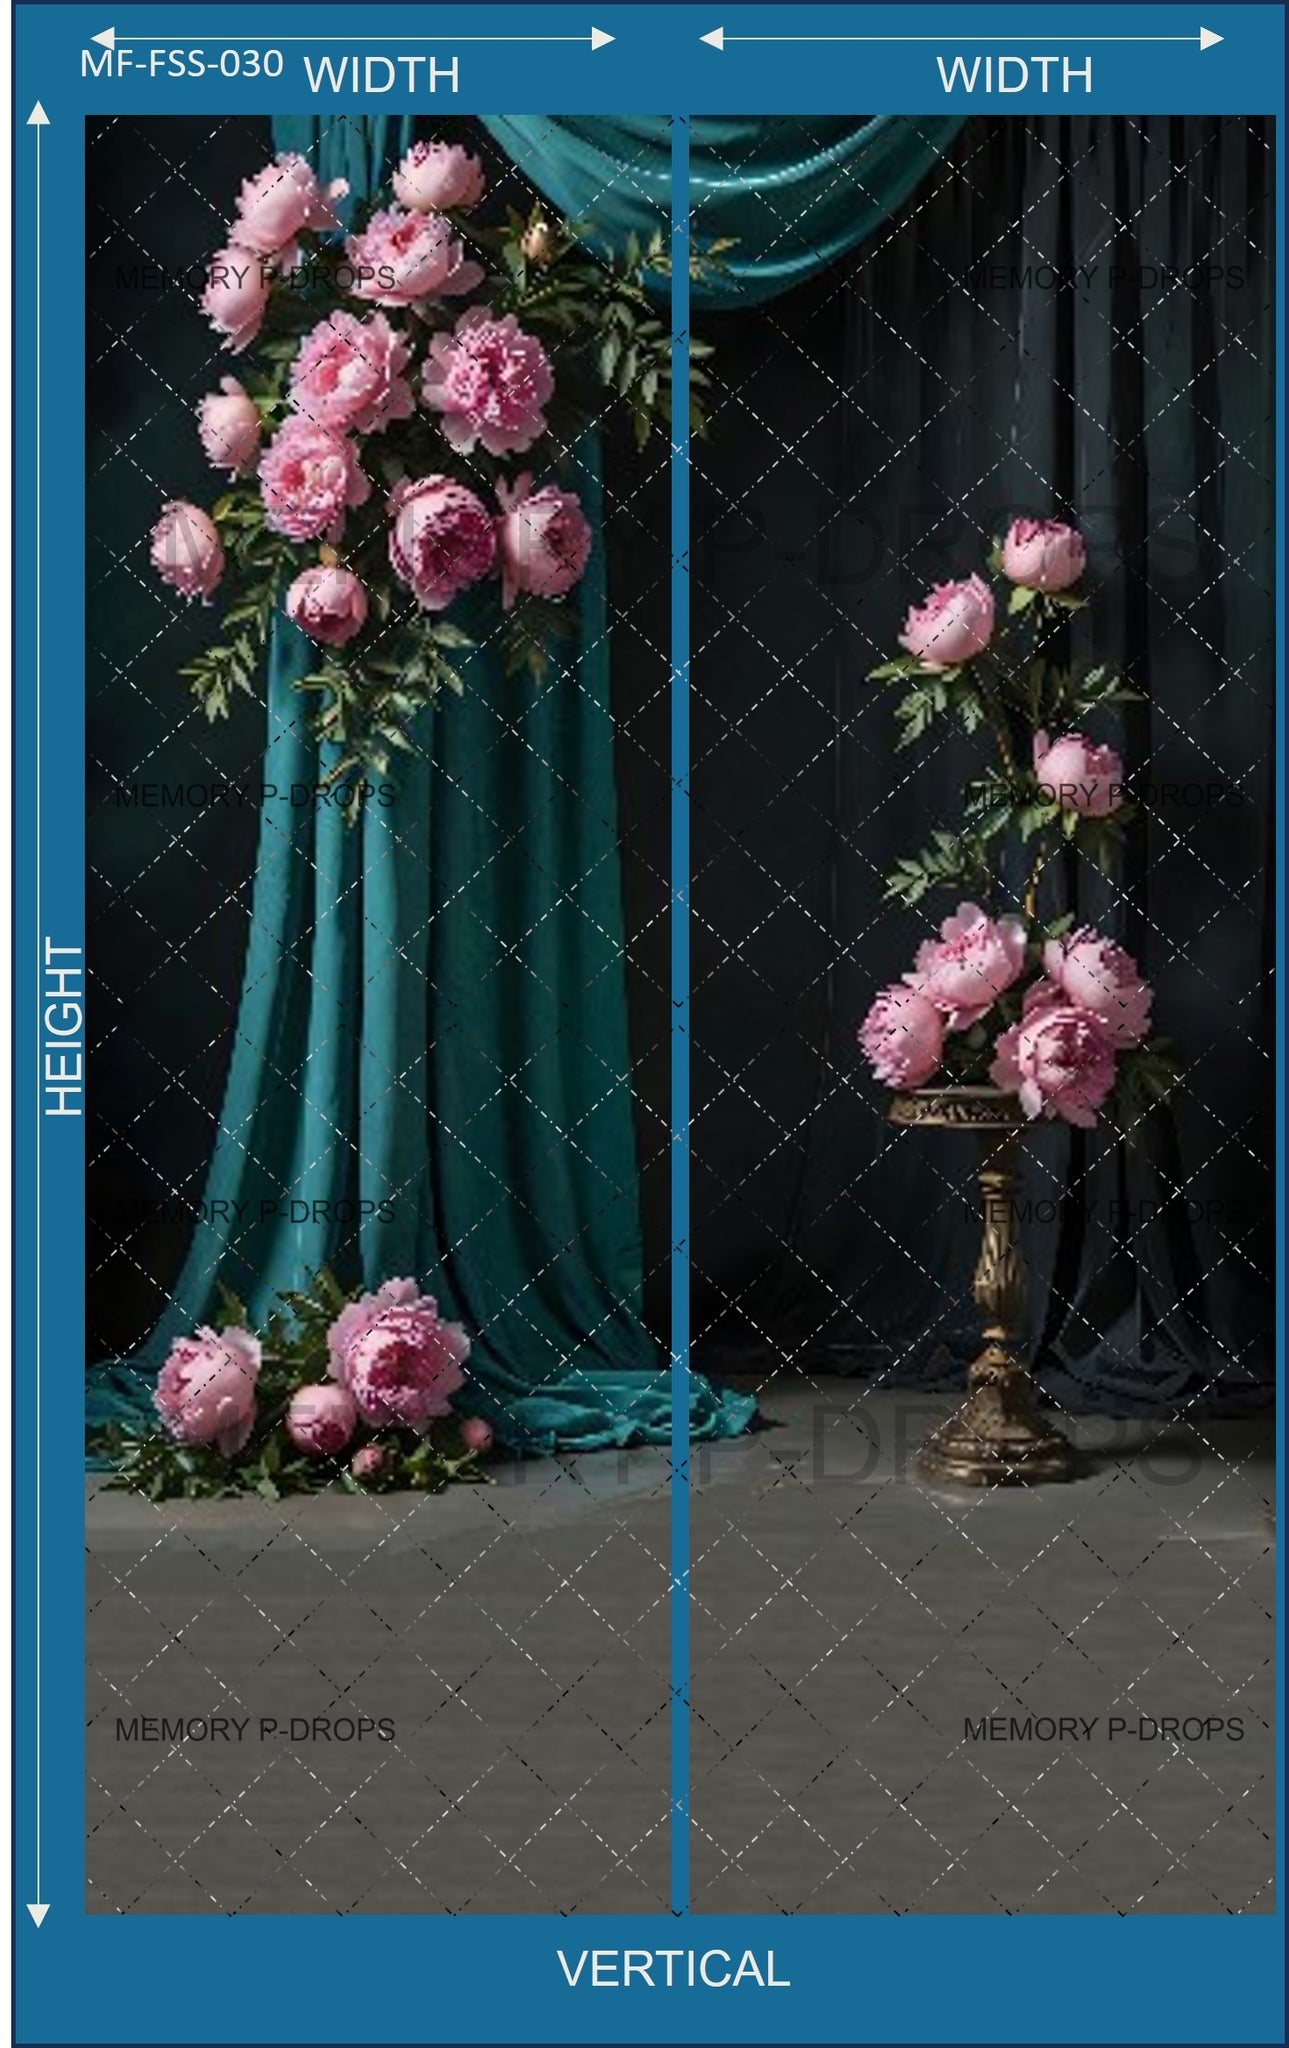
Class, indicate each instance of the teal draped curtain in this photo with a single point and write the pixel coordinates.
(790, 213)
(433, 1024)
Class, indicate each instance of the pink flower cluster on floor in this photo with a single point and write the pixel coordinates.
(485, 380)
(395, 1364)
(1087, 1004)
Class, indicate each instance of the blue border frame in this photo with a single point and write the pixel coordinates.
(92, 1978)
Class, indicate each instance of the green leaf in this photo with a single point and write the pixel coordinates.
(1035, 817)
(895, 671)
(233, 1313)
(1021, 599)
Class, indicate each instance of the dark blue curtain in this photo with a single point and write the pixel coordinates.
(1070, 317)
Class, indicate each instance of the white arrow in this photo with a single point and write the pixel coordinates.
(38, 119)
(718, 39)
(597, 39)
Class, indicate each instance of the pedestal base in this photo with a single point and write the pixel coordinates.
(998, 1436)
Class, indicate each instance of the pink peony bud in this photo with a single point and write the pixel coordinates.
(237, 291)
(1077, 775)
(476, 1434)
(397, 1356)
(321, 1420)
(951, 625)
(438, 177)
(327, 603)
(205, 1391)
(229, 425)
(1095, 974)
(186, 549)
(969, 965)
(545, 540)
(369, 1463)
(902, 1037)
(538, 243)
(1043, 554)
(1059, 1060)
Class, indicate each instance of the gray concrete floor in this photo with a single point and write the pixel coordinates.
(515, 1635)
(848, 1622)
(852, 1626)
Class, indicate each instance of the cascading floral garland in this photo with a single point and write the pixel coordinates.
(392, 382)
(1057, 1016)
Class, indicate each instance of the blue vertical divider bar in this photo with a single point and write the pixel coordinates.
(680, 1014)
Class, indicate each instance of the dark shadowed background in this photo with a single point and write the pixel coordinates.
(1069, 318)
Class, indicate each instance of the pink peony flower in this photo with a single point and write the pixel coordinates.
(309, 477)
(1077, 775)
(237, 291)
(442, 539)
(228, 421)
(967, 968)
(476, 1434)
(437, 176)
(321, 1420)
(357, 1317)
(400, 258)
(399, 1359)
(186, 549)
(281, 200)
(545, 540)
(1059, 1060)
(328, 603)
(953, 623)
(369, 1462)
(1095, 974)
(490, 381)
(348, 375)
(205, 1391)
(1043, 554)
(902, 1037)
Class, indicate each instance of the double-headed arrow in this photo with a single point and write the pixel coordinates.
(597, 38)
(38, 119)
(720, 41)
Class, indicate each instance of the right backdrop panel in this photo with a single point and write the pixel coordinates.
(985, 1113)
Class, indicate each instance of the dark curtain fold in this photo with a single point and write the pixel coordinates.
(1074, 317)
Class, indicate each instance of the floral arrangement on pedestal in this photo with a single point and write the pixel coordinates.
(1056, 1015)
(400, 434)
(350, 1389)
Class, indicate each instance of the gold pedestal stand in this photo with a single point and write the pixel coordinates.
(999, 1434)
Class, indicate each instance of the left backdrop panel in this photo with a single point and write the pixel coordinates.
(377, 813)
